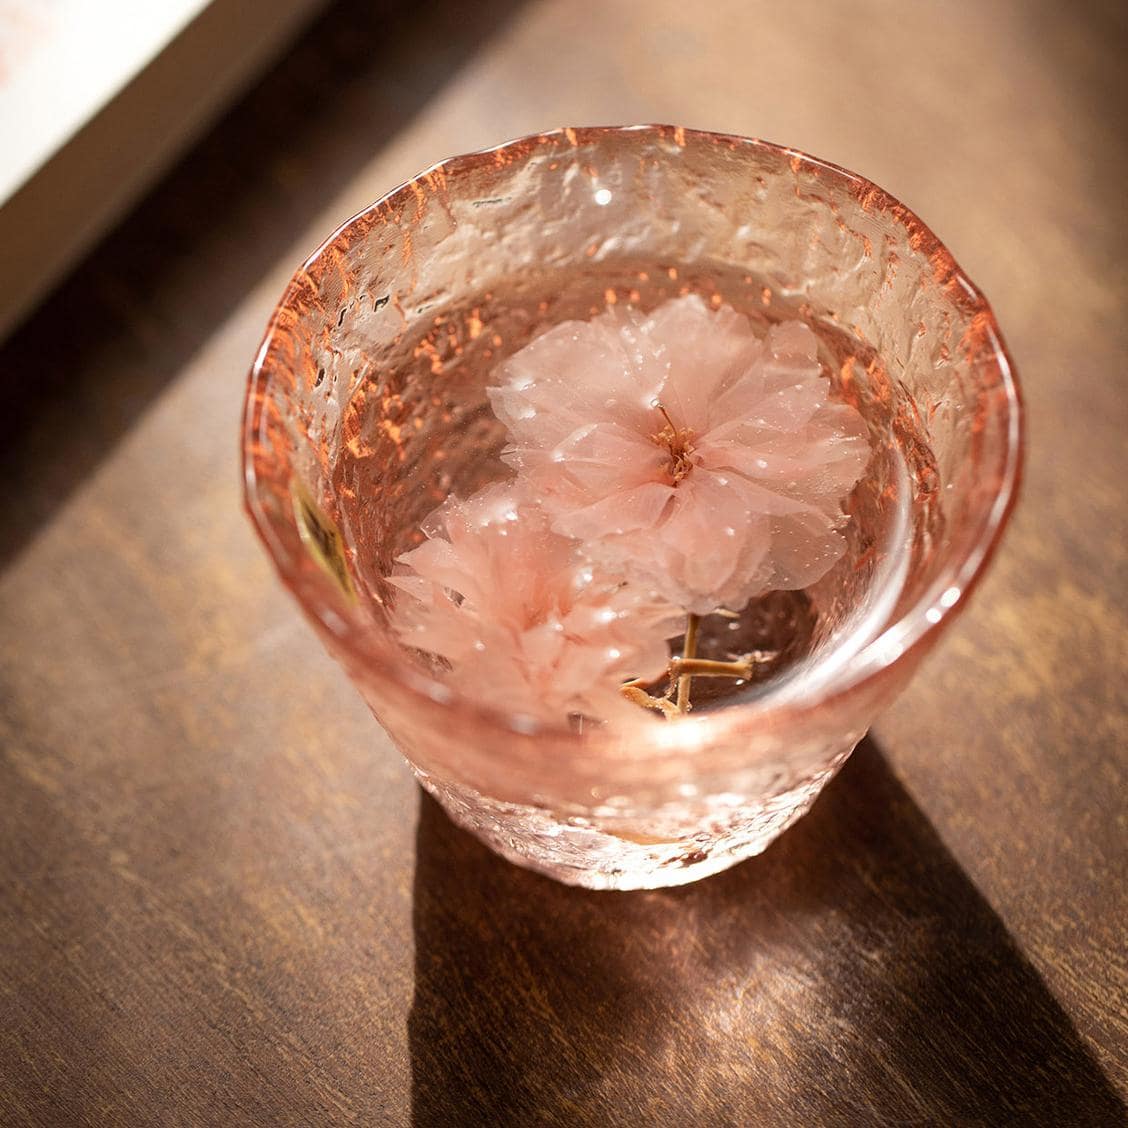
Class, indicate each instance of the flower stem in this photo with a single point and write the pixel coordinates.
(680, 671)
(635, 692)
(689, 651)
(708, 668)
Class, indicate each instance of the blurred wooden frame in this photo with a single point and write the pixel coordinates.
(76, 151)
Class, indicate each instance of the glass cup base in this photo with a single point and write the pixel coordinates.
(608, 852)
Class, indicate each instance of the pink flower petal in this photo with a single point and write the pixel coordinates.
(685, 451)
(523, 619)
(698, 366)
(613, 514)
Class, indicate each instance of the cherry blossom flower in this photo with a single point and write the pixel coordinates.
(683, 450)
(524, 621)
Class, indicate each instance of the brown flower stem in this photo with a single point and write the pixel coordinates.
(682, 670)
(689, 651)
(634, 692)
(712, 668)
(708, 668)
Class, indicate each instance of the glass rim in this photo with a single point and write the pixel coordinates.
(911, 632)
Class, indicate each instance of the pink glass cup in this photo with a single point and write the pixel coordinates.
(366, 407)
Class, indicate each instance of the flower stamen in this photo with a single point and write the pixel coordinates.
(678, 441)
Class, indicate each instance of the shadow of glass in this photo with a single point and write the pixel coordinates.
(115, 334)
(851, 975)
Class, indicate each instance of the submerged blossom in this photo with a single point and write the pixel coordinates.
(685, 451)
(525, 623)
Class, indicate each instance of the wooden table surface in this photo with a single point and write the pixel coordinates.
(222, 897)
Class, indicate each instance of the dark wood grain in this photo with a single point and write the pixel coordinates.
(853, 975)
(221, 898)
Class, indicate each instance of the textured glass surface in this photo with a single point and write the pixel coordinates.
(366, 407)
